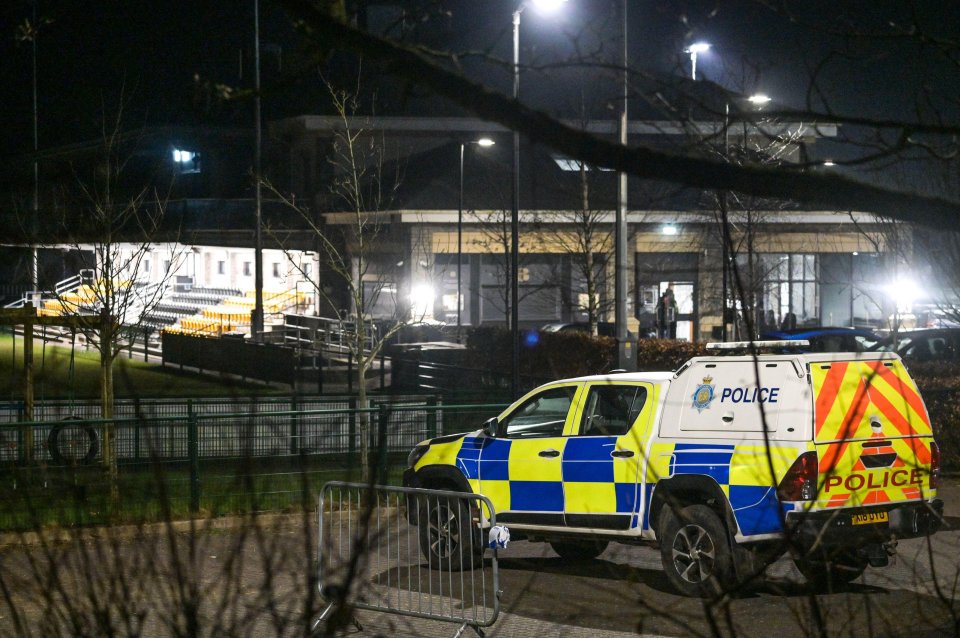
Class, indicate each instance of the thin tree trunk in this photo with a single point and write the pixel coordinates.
(106, 412)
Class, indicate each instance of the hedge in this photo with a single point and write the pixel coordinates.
(939, 383)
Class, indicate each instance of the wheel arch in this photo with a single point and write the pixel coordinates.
(691, 489)
(440, 477)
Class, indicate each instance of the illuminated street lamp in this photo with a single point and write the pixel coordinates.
(544, 6)
(483, 142)
(693, 50)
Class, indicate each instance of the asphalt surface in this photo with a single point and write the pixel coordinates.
(255, 577)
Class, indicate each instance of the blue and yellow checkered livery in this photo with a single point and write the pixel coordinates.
(577, 475)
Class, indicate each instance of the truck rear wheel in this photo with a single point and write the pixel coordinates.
(829, 571)
(695, 551)
(579, 550)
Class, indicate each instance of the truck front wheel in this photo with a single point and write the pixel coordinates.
(695, 551)
(449, 539)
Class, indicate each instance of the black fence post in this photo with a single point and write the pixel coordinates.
(352, 432)
(350, 372)
(432, 418)
(136, 435)
(193, 453)
(383, 417)
(383, 374)
(319, 373)
(294, 426)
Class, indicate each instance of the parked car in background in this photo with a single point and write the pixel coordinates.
(829, 339)
(933, 344)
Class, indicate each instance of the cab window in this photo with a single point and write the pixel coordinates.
(610, 410)
(543, 414)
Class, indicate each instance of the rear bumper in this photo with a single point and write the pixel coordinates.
(836, 528)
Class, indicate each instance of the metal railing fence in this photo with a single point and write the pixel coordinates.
(410, 552)
(207, 461)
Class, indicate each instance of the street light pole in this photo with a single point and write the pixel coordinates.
(484, 142)
(515, 224)
(625, 354)
(34, 257)
(724, 249)
(460, 246)
(544, 5)
(256, 326)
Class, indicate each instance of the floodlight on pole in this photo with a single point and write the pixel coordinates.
(695, 49)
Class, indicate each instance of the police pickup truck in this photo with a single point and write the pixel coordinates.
(725, 464)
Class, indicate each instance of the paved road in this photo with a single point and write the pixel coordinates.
(255, 580)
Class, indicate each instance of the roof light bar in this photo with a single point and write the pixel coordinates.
(746, 345)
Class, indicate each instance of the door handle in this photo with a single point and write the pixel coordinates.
(549, 454)
(727, 418)
(622, 454)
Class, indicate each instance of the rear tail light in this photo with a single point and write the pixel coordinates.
(934, 465)
(800, 481)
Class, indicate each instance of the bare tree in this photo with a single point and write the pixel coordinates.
(494, 239)
(354, 251)
(113, 221)
(584, 234)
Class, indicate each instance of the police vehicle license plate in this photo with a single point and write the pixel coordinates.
(870, 518)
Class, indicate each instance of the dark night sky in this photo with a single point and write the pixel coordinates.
(154, 49)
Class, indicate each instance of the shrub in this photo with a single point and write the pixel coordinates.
(663, 355)
(544, 356)
(939, 383)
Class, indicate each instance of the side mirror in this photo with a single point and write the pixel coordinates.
(491, 427)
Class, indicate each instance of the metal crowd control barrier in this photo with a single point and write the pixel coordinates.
(405, 551)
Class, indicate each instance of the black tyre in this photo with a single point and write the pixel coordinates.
(72, 443)
(448, 538)
(695, 551)
(830, 571)
(578, 550)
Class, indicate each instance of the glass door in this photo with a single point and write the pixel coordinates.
(684, 295)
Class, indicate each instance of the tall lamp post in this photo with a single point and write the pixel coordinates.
(544, 6)
(483, 142)
(625, 353)
(256, 326)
